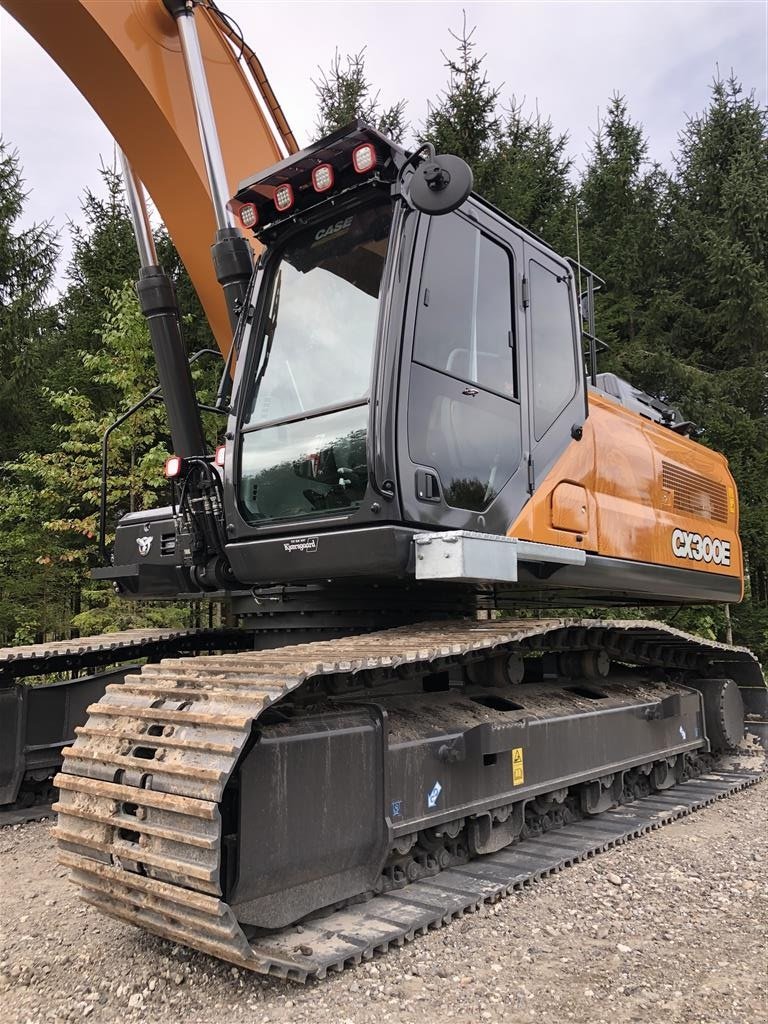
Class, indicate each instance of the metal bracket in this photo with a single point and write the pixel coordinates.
(463, 555)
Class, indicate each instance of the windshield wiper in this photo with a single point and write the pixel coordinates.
(270, 335)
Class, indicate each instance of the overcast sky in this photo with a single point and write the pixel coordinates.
(566, 57)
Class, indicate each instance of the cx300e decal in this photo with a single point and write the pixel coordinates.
(701, 549)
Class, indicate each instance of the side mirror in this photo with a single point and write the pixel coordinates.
(440, 184)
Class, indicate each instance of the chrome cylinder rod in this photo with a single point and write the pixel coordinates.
(137, 205)
(232, 255)
(184, 14)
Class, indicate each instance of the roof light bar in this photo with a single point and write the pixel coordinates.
(364, 158)
(283, 198)
(322, 177)
(249, 215)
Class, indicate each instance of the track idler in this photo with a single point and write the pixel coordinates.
(724, 712)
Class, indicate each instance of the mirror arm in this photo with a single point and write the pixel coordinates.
(413, 159)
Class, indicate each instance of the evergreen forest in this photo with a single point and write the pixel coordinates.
(683, 251)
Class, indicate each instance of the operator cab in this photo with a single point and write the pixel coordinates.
(408, 359)
(399, 369)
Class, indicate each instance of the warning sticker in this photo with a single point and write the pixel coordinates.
(518, 774)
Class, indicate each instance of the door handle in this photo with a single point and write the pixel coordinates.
(470, 392)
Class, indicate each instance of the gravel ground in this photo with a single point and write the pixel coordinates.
(670, 928)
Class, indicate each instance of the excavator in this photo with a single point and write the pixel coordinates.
(418, 459)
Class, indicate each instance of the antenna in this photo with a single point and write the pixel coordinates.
(578, 243)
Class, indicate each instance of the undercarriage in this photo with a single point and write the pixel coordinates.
(222, 800)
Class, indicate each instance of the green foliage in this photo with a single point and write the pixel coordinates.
(466, 121)
(69, 477)
(344, 94)
(93, 360)
(621, 203)
(715, 313)
(103, 258)
(36, 591)
(27, 263)
(537, 188)
(685, 258)
(66, 482)
(106, 613)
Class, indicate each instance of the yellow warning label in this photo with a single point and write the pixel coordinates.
(518, 775)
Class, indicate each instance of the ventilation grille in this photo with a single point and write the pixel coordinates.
(695, 494)
(168, 544)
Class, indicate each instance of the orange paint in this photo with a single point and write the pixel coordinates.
(125, 58)
(626, 487)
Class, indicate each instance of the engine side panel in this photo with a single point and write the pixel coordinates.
(633, 490)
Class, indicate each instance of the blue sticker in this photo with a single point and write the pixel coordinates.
(434, 795)
(397, 809)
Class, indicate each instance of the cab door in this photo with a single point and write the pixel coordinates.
(463, 415)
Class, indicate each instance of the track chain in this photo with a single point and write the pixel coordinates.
(140, 789)
(80, 653)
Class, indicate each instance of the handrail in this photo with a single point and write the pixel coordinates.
(155, 395)
(593, 343)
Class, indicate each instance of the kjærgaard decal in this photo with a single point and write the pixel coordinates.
(302, 544)
(434, 795)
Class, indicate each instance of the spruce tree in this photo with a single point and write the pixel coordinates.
(719, 257)
(27, 263)
(466, 121)
(519, 162)
(345, 94)
(66, 482)
(103, 258)
(94, 359)
(714, 313)
(536, 188)
(621, 205)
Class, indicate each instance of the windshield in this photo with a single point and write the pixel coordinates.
(304, 434)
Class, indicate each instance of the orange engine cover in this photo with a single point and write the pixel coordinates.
(633, 489)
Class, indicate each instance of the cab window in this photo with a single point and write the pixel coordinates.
(552, 346)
